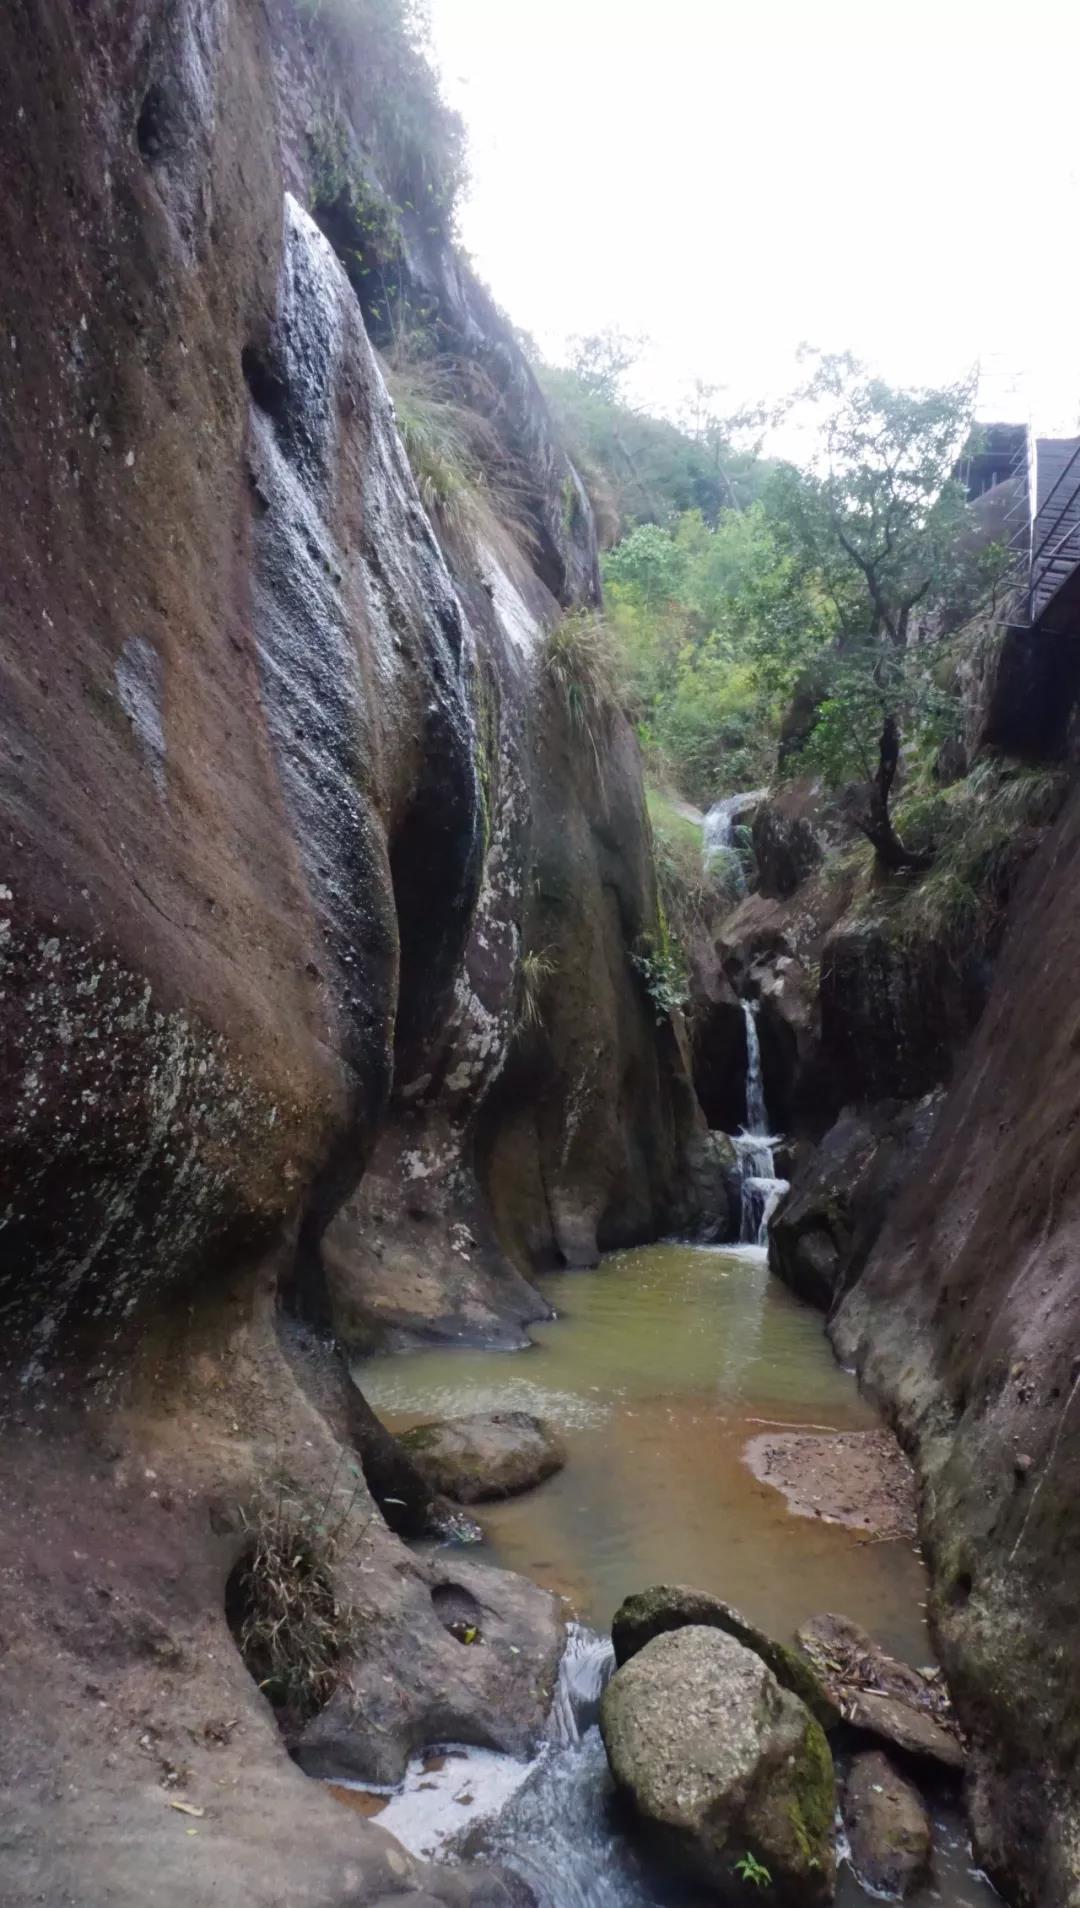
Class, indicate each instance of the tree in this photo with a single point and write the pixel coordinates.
(601, 359)
(878, 519)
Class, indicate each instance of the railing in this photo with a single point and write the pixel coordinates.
(1059, 537)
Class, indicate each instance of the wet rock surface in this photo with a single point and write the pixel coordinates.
(887, 1826)
(824, 1230)
(666, 1607)
(721, 1764)
(491, 1454)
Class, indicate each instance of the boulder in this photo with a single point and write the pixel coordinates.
(707, 1199)
(907, 1709)
(674, 1606)
(491, 1454)
(787, 837)
(724, 1766)
(887, 1825)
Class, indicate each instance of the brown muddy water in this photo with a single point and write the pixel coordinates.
(660, 1367)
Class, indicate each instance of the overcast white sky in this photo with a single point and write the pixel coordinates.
(732, 179)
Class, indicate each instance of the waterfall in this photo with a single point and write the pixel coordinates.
(718, 852)
(762, 1191)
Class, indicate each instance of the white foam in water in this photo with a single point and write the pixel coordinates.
(435, 1806)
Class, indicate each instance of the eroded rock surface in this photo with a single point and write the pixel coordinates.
(492, 1454)
(286, 793)
(720, 1763)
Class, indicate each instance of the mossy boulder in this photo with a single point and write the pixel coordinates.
(491, 1454)
(727, 1771)
(673, 1606)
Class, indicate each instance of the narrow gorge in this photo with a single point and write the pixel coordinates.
(477, 1181)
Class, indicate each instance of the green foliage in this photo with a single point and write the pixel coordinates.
(879, 526)
(753, 1872)
(979, 830)
(641, 469)
(382, 64)
(692, 897)
(663, 970)
(712, 625)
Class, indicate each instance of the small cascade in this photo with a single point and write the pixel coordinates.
(587, 1664)
(762, 1191)
(719, 854)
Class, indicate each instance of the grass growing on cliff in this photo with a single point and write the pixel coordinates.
(462, 472)
(692, 898)
(980, 830)
(581, 663)
(535, 969)
(291, 1624)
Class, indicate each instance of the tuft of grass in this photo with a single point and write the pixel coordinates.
(580, 661)
(462, 471)
(535, 969)
(291, 1623)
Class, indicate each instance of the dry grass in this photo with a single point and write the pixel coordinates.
(462, 471)
(291, 1623)
(534, 971)
(580, 660)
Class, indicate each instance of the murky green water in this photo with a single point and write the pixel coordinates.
(660, 1366)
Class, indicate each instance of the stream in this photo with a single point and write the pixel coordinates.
(662, 1365)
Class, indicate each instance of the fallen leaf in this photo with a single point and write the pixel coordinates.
(185, 1808)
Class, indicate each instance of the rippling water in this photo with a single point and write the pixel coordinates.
(661, 1365)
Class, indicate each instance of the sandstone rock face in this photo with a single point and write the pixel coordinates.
(272, 795)
(824, 1229)
(285, 792)
(966, 1321)
(493, 1454)
(788, 838)
(720, 1763)
(706, 1204)
(665, 1607)
(893, 1015)
(887, 1826)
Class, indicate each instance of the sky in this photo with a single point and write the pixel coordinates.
(729, 181)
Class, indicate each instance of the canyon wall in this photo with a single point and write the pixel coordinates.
(289, 797)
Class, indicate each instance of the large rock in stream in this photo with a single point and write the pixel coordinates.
(723, 1766)
(887, 1826)
(491, 1454)
(676, 1606)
